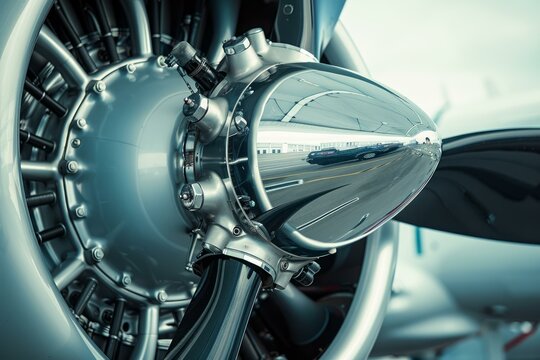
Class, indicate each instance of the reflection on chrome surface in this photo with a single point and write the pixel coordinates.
(339, 153)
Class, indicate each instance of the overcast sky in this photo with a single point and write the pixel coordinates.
(463, 51)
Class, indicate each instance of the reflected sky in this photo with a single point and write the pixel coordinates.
(458, 51)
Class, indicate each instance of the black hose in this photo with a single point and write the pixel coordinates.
(74, 39)
(106, 34)
(112, 341)
(196, 23)
(51, 233)
(216, 318)
(45, 99)
(155, 26)
(41, 199)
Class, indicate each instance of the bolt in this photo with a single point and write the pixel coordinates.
(236, 231)
(288, 9)
(130, 68)
(189, 102)
(284, 265)
(100, 86)
(332, 251)
(75, 143)
(126, 279)
(72, 167)
(252, 203)
(97, 254)
(161, 61)
(80, 212)
(185, 196)
(162, 296)
(81, 123)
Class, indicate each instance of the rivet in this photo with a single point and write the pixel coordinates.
(162, 296)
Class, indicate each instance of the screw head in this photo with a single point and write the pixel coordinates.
(81, 123)
(75, 143)
(161, 61)
(100, 86)
(98, 254)
(284, 265)
(72, 167)
(80, 212)
(126, 279)
(162, 296)
(130, 68)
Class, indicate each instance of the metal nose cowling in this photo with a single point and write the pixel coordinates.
(329, 157)
(285, 159)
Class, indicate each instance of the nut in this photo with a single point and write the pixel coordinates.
(236, 45)
(240, 122)
(130, 68)
(72, 167)
(80, 212)
(97, 254)
(81, 123)
(237, 231)
(192, 196)
(100, 86)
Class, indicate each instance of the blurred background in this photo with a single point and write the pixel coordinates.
(449, 52)
(460, 61)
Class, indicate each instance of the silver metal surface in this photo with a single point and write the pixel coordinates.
(147, 339)
(51, 48)
(24, 277)
(366, 313)
(360, 150)
(224, 20)
(127, 180)
(141, 39)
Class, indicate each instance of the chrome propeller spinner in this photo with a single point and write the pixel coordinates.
(310, 157)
